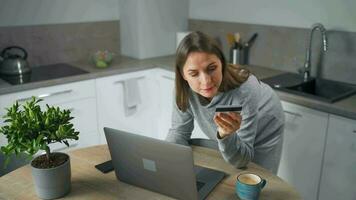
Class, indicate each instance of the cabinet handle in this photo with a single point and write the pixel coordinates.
(121, 81)
(24, 99)
(168, 77)
(292, 113)
(354, 131)
(45, 95)
(54, 93)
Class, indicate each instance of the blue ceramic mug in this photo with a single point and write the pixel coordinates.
(249, 186)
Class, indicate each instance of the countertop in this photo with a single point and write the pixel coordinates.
(122, 64)
(89, 183)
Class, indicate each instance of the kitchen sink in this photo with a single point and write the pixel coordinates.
(315, 88)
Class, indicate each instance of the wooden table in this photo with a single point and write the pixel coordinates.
(89, 183)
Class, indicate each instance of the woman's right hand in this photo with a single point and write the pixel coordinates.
(228, 123)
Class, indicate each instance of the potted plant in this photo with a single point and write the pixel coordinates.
(28, 130)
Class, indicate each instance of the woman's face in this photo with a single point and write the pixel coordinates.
(203, 72)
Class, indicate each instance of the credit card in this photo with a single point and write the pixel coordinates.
(228, 108)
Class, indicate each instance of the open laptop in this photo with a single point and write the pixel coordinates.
(159, 166)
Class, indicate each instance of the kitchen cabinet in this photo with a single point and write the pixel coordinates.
(79, 97)
(85, 121)
(166, 84)
(303, 146)
(339, 168)
(197, 132)
(111, 103)
(15, 162)
(6, 101)
(166, 98)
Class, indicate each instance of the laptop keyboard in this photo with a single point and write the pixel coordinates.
(199, 185)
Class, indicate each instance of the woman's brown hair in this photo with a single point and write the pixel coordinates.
(233, 75)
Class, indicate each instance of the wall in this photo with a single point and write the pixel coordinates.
(283, 31)
(35, 12)
(148, 28)
(336, 15)
(54, 31)
(55, 43)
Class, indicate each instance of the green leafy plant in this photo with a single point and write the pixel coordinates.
(28, 129)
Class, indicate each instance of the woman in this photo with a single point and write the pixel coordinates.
(203, 81)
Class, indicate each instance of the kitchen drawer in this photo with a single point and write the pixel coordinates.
(84, 113)
(53, 94)
(67, 92)
(85, 121)
(7, 100)
(86, 139)
(79, 97)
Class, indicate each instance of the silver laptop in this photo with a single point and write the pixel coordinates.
(159, 166)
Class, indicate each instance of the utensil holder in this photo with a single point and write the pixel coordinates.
(239, 55)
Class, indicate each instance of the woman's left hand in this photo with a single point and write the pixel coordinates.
(227, 122)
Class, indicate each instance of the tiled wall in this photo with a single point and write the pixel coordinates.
(284, 47)
(49, 44)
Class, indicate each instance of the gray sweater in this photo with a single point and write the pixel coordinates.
(259, 138)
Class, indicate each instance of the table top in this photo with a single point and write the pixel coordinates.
(89, 183)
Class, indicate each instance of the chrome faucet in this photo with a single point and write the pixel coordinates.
(320, 27)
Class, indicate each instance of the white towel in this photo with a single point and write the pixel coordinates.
(131, 96)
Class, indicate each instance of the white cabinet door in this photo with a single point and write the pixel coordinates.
(80, 98)
(166, 99)
(6, 101)
(111, 104)
(339, 170)
(303, 147)
(85, 121)
(197, 132)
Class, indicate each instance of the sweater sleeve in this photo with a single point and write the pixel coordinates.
(238, 149)
(181, 127)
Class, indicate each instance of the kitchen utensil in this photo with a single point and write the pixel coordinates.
(235, 46)
(251, 40)
(237, 37)
(238, 43)
(14, 61)
(240, 53)
(230, 39)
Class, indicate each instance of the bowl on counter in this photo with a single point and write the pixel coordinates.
(102, 59)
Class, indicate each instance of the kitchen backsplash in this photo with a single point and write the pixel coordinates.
(55, 43)
(284, 48)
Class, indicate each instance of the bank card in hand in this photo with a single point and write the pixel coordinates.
(228, 108)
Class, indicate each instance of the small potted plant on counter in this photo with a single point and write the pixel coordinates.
(29, 130)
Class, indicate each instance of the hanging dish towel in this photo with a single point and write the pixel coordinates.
(131, 96)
